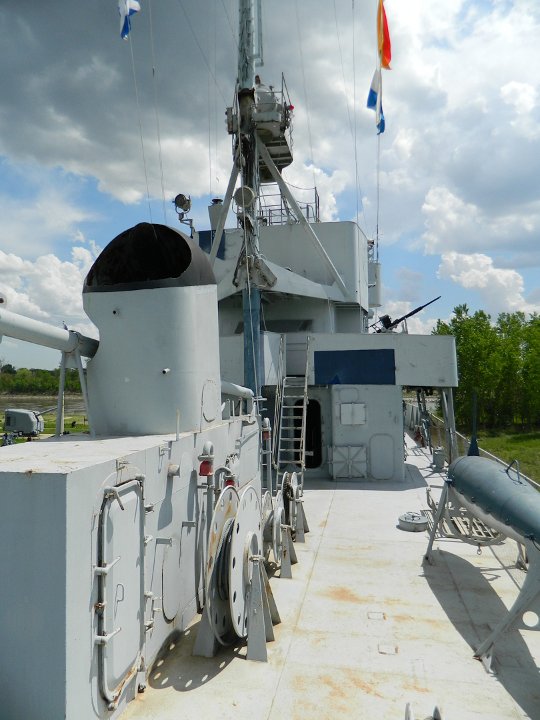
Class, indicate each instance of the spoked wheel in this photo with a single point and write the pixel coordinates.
(239, 599)
(267, 524)
(278, 521)
(290, 491)
(217, 576)
(294, 508)
(246, 542)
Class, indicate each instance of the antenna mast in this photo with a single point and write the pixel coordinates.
(246, 156)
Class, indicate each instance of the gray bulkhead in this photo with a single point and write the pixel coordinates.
(57, 491)
(355, 378)
(103, 546)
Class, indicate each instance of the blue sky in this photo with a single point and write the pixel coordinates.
(459, 208)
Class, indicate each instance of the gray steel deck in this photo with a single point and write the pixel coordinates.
(366, 627)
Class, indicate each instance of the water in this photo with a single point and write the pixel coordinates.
(73, 404)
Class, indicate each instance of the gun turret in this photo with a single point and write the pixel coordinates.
(386, 324)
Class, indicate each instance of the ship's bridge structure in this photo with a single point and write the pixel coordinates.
(296, 301)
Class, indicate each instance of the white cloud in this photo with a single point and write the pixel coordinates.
(500, 289)
(523, 97)
(453, 224)
(306, 178)
(459, 163)
(47, 288)
(35, 225)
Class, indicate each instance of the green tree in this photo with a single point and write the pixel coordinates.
(37, 381)
(478, 357)
(509, 385)
(500, 362)
(530, 400)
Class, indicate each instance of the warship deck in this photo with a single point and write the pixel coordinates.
(366, 627)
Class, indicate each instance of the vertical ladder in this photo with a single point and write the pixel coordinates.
(289, 450)
(291, 447)
(291, 442)
(277, 402)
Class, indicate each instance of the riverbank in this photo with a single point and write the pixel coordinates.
(73, 403)
(523, 447)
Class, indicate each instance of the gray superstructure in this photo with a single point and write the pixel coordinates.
(238, 398)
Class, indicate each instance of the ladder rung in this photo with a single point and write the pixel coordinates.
(290, 437)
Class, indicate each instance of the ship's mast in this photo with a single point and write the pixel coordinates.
(247, 157)
(258, 123)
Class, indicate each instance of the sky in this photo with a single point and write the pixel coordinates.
(99, 133)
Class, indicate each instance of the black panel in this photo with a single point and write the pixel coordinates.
(355, 367)
(206, 238)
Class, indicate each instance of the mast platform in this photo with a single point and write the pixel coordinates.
(280, 152)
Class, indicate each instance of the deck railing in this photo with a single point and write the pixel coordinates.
(435, 436)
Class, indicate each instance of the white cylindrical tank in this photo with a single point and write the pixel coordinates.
(152, 295)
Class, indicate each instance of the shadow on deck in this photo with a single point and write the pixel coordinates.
(466, 594)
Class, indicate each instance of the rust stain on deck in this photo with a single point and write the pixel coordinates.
(343, 594)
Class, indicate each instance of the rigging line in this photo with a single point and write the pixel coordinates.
(209, 140)
(378, 161)
(356, 174)
(354, 104)
(216, 116)
(233, 32)
(188, 21)
(210, 109)
(248, 279)
(248, 286)
(342, 67)
(352, 125)
(305, 89)
(130, 39)
(378, 196)
(297, 187)
(156, 112)
(352, 121)
(253, 349)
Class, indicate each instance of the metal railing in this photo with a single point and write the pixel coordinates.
(436, 436)
(274, 209)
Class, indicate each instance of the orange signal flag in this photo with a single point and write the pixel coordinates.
(383, 37)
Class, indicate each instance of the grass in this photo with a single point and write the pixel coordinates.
(524, 447)
(72, 424)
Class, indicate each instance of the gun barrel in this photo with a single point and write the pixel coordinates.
(40, 333)
(413, 312)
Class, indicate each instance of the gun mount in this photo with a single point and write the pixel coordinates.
(386, 324)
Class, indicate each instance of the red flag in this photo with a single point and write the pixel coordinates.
(383, 37)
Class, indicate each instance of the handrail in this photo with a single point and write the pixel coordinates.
(465, 441)
(278, 399)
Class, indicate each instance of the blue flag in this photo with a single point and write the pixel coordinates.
(374, 101)
(127, 8)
